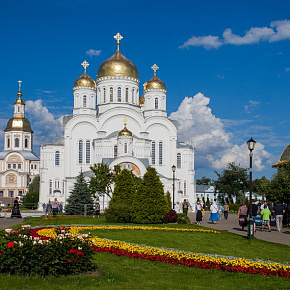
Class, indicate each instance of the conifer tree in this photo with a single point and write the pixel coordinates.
(79, 197)
(168, 200)
(149, 205)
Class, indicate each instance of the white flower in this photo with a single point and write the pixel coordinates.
(79, 248)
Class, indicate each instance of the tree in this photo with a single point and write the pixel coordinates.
(149, 205)
(280, 185)
(232, 181)
(168, 200)
(103, 180)
(262, 186)
(31, 199)
(203, 181)
(80, 199)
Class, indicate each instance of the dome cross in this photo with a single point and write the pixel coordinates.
(85, 64)
(19, 83)
(118, 37)
(155, 68)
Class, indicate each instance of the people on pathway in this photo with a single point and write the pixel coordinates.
(242, 215)
(44, 208)
(279, 211)
(226, 210)
(177, 207)
(198, 210)
(254, 213)
(214, 212)
(266, 213)
(220, 211)
(185, 206)
(54, 206)
(15, 210)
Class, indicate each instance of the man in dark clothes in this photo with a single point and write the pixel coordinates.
(15, 210)
(254, 213)
(279, 211)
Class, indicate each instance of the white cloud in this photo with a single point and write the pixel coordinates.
(214, 149)
(44, 124)
(207, 42)
(250, 106)
(279, 30)
(92, 52)
(287, 69)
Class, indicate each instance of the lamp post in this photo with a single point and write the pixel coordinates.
(251, 145)
(173, 185)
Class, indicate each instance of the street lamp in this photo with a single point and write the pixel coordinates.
(173, 185)
(251, 145)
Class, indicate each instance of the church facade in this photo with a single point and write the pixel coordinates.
(18, 163)
(111, 124)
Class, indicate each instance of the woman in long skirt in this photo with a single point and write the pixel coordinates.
(198, 210)
(214, 212)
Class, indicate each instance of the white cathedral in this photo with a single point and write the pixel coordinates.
(111, 124)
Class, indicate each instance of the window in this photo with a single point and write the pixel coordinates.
(88, 152)
(10, 193)
(156, 103)
(63, 186)
(115, 151)
(84, 101)
(31, 166)
(9, 166)
(8, 142)
(111, 95)
(26, 143)
(14, 166)
(119, 94)
(56, 183)
(50, 187)
(126, 148)
(104, 94)
(153, 153)
(127, 95)
(133, 94)
(178, 160)
(184, 186)
(1, 192)
(56, 158)
(80, 151)
(16, 142)
(18, 109)
(19, 166)
(35, 166)
(160, 153)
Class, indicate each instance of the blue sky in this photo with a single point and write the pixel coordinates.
(226, 65)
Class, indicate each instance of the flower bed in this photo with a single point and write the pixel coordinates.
(205, 261)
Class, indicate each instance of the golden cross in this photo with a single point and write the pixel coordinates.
(19, 82)
(125, 121)
(85, 64)
(118, 37)
(155, 68)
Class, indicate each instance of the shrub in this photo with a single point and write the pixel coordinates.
(171, 217)
(118, 213)
(65, 254)
(183, 219)
(234, 206)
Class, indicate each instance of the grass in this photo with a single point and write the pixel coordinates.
(124, 273)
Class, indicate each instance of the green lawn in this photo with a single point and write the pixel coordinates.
(125, 273)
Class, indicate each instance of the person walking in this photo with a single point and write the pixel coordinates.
(242, 216)
(54, 206)
(254, 213)
(177, 207)
(265, 213)
(198, 210)
(214, 212)
(279, 211)
(15, 211)
(226, 210)
(221, 208)
(185, 206)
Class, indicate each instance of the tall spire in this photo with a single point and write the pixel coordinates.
(19, 94)
(118, 37)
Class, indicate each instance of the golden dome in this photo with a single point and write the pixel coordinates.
(85, 81)
(141, 100)
(154, 83)
(125, 132)
(19, 100)
(18, 124)
(118, 65)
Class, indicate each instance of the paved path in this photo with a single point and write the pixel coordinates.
(6, 223)
(232, 225)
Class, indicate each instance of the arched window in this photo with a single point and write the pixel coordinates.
(88, 152)
(80, 152)
(156, 103)
(153, 153)
(126, 148)
(119, 94)
(50, 187)
(184, 190)
(16, 142)
(178, 160)
(104, 94)
(56, 158)
(160, 153)
(26, 143)
(115, 151)
(127, 95)
(8, 142)
(133, 96)
(35, 166)
(18, 109)
(111, 95)
(84, 101)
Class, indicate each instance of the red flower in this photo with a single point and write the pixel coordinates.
(62, 227)
(10, 245)
(0, 253)
(80, 253)
(76, 259)
(72, 251)
(69, 261)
